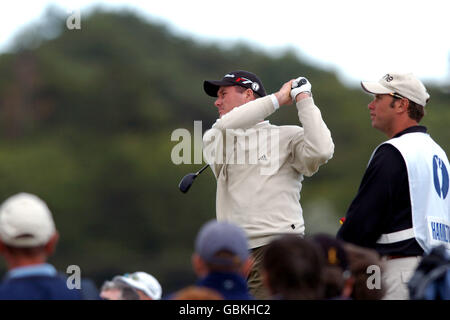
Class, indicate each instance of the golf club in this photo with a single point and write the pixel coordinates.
(188, 179)
(299, 84)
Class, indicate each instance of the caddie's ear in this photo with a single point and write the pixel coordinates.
(403, 106)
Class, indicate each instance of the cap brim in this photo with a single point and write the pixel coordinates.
(375, 88)
(131, 282)
(211, 87)
(136, 285)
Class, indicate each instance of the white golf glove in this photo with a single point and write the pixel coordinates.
(299, 85)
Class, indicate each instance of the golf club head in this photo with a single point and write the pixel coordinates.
(187, 182)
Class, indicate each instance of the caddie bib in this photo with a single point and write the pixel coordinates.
(428, 176)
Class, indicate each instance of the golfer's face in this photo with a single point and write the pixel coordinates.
(381, 112)
(229, 98)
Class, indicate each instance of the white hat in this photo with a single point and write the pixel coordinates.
(406, 85)
(144, 282)
(25, 221)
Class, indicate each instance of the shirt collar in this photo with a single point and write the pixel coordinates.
(43, 269)
(226, 281)
(410, 130)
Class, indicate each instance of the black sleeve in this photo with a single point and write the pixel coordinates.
(367, 215)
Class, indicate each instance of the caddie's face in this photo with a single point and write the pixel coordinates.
(382, 114)
(228, 98)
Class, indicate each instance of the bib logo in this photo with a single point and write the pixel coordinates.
(440, 177)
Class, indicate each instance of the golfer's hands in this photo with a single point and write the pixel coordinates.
(302, 86)
(283, 95)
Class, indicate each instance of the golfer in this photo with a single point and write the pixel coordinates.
(402, 206)
(259, 167)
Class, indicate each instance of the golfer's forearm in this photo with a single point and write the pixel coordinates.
(213, 150)
(247, 115)
(317, 146)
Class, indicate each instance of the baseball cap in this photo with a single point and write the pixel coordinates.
(25, 221)
(404, 84)
(142, 281)
(215, 236)
(235, 78)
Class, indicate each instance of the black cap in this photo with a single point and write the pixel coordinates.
(235, 78)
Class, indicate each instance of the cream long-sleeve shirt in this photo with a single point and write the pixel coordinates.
(259, 167)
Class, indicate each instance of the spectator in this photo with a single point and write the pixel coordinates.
(28, 238)
(337, 275)
(292, 269)
(360, 261)
(222, 260)
(114, 290)
(146, 286)
(431, 279)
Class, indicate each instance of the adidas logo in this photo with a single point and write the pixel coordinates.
(263, 158)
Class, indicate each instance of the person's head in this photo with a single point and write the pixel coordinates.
(116, 290)
(221, 247)
(27, 230)
(399, 101)
(360, 259)
(292, 269)
(336, 274)
(146, 286)
(235, 89)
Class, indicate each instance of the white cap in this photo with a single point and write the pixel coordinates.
(25, 221)
(144, 282)
(404, 84)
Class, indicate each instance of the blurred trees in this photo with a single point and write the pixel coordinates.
(86, 118)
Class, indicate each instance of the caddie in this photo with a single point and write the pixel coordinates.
(402, 207)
